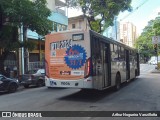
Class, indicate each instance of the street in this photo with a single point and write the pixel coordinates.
(141, 94)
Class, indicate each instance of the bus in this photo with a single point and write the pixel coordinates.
(85, 59)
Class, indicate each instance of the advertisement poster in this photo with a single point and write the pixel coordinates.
(66, 56)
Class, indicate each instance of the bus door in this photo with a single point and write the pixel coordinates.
(138, 66)
(127, 65)
(105, 55)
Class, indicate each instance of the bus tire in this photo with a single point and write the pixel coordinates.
(118, 82)
(136, 73)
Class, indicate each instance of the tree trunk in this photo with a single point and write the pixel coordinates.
(2, 59)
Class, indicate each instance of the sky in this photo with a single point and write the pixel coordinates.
(143, 12)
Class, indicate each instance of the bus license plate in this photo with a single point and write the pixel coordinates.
(65, 83)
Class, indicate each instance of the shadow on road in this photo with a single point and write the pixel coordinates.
(88, 95)
(93, 95)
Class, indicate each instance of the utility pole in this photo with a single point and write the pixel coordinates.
(22, 49)
(156, 41)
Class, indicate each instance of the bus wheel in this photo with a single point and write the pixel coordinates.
(118, 82)
(136, 73)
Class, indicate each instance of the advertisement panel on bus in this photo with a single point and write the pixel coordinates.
(66, 54)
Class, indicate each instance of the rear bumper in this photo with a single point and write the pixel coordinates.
(81, 83)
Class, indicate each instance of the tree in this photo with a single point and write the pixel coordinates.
(144, 41)
(156, 26)
(100, 13)
(17, 13)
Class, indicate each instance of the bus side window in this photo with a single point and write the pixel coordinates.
(112, 51)
(115, 57)
(130, 56)
(121, 54)
(111, 47)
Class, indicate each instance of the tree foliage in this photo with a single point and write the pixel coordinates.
(156, 26)
(33, 15)
(100, 13)
(144, 41)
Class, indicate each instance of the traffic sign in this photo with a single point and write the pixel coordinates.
(155, 39)
(155, 48)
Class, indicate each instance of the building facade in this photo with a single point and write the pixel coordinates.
(78, 22)
(113, 32)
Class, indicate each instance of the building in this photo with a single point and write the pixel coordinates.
(78, 22)
(128, 33)
(113, 32)
(35, 58)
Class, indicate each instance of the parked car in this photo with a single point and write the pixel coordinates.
(8, 84)
(33, 77)
(152, 62)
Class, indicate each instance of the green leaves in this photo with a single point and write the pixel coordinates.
(33, 16)
(144, 42)
(156, 26)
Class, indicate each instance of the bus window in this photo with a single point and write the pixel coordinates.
(111, 47)
(121, 54)
(114, 55)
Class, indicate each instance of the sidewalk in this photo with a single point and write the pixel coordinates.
(155, 71)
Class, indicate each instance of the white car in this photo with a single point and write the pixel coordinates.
(153, 60)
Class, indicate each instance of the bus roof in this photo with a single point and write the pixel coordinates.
(111, 40)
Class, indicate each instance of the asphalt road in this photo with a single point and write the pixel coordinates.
(142, 94)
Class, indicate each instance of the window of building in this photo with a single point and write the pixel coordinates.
(124, 27)
(80, 24)
(64, 27)
(55, 27)
(73, 26)
(59, 27)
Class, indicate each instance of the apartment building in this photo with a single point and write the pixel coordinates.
(78, 22)
(122, 32)
(128, 33)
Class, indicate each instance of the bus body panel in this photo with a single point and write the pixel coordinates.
(116, 61)
(68, 53)
(65, 56)
(81, 83)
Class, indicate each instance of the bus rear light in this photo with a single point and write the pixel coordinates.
(87, 71)
(46, 68)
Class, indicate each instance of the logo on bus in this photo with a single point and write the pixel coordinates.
(75, 56)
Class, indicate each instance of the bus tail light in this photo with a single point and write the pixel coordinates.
(87, 71)
(46, 68)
